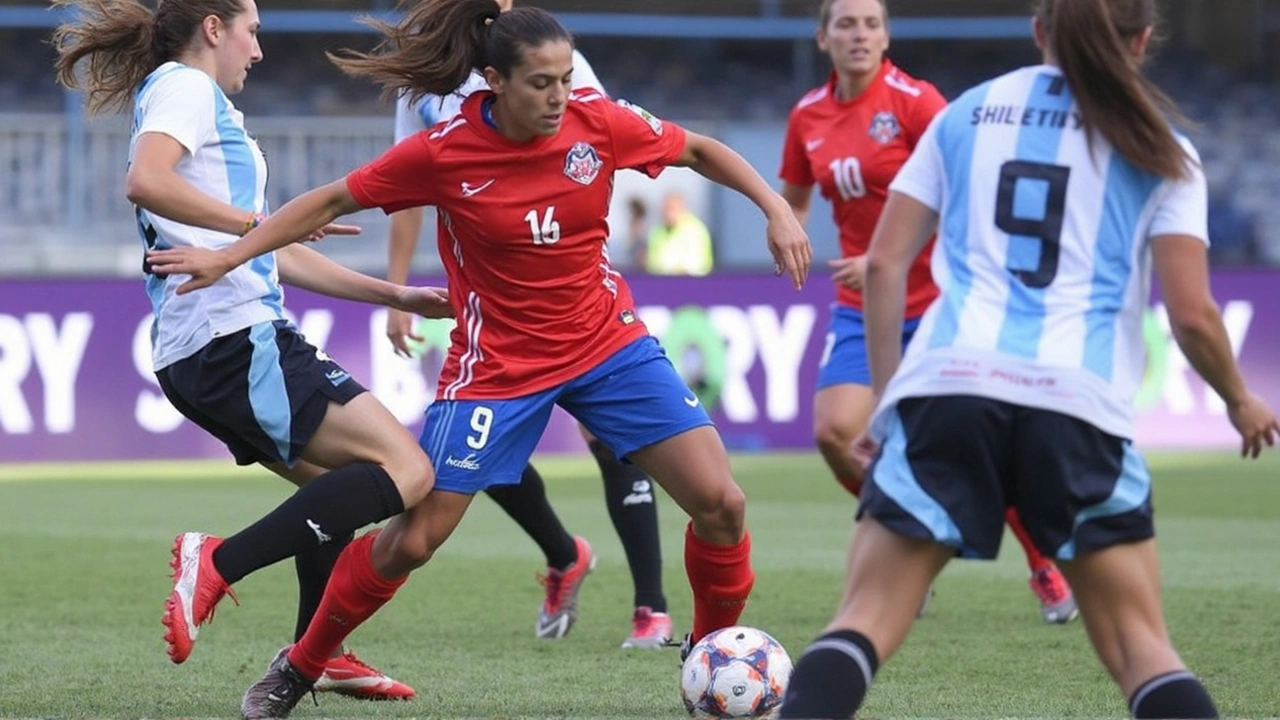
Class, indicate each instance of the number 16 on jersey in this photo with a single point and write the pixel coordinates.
(545, 230)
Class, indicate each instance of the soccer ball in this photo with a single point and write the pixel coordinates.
(737, 672)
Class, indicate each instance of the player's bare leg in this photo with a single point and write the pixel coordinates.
(840, 414)
(693, 467)
(1118, 592)
(629, 496)
(888, 576)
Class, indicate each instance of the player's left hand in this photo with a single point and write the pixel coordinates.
(429, 302)
(332, 229)
(205, 266)
(864, 450)
(850, 272)
(789, 245)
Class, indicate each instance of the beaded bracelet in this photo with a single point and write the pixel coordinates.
(254, 221)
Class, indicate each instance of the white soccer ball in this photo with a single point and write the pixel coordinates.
(737, 672)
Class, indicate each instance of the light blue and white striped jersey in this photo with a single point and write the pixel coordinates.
(1043, 254)
(225, 163)
(432, 109)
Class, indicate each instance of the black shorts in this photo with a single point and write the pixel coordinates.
(263, 391)
(950, 466)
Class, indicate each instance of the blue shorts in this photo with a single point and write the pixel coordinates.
(844, 357)
(630, 401)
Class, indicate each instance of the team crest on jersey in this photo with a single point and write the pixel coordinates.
(884, 128)
(654, 123)
(582, 164)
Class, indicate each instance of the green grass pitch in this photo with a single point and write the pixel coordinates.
(83, 575)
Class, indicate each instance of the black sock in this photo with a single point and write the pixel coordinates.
(314, 567)
(527, 504)
(333, 505)
(831, 678)
(1172, 695)
(628, 493)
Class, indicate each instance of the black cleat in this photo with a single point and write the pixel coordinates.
(277, 693)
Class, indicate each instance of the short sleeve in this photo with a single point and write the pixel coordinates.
(795, 161)
(399, 179)
(183, 105)
(584, 76)
(642, 141)
(923, 110)
(408, 118)
(1184, 207)
(923, 175)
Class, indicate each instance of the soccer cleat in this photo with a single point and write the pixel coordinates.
(197, 589)
(277, 693)
(686, 648)
(560, 606)
(348, 675)
(1057, 604)
(649, 629)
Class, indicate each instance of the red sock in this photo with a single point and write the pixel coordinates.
(721, 578)
(1035, 559)
(354, 593)
(852, 484)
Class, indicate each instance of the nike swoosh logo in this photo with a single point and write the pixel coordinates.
(692, 401)
(468, 189)
(554, 629)
(814, 144)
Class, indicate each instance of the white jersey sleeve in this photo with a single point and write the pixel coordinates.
(1184, 210)
(182, 105)
(923, 177)
(584, 76)
(408, 120)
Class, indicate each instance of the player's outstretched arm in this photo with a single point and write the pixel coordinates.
(302, 267)
(905, 226)
(300, 218)
(787, 239)
(1182, 265)
(406, 226)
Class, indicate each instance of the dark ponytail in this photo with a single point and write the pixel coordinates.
(1089, 40)
(122, 41)
(436, 45)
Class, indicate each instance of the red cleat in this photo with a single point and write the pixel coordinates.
(560, 607)
(348, 675)
(197, 589)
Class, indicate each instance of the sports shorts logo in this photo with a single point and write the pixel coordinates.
(884, 128)
(582, 164)
(466, 463)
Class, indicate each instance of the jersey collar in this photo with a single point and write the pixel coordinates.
(833, 80)
(476, 109)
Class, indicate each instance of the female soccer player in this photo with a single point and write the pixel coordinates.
(850, 137)
(628, 492)
(521, 180)
(227, 359)
(1053, 189)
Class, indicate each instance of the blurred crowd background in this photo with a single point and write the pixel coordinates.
(731, 68)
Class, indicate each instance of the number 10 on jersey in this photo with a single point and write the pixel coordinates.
(545, 230)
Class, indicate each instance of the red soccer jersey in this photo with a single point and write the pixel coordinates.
(522, 234)
(853, 150)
